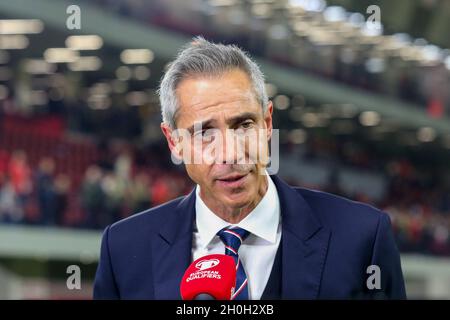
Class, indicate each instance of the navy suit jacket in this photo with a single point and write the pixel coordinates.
(327, 244)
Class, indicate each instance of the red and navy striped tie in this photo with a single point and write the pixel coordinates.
(233, 237)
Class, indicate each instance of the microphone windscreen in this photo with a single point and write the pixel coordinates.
(209, 277)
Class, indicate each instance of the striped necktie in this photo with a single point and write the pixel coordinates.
(232, 237)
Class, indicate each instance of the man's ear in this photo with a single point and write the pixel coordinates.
(172, 141)
(268, 119)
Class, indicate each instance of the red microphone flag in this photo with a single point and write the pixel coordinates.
(213, 275)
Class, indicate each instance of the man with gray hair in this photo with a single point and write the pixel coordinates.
(287, 243)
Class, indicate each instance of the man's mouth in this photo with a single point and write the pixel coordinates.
(233, 181)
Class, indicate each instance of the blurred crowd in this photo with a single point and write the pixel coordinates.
(419, 209)
(125, 182)
(111, 189)
(19, 184)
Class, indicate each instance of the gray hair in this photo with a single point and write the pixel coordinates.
(201, 57)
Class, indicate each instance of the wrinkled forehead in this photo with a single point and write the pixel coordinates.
(206, 97)
(228, 111)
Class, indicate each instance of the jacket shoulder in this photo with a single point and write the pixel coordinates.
(336, 211)
(147, 220)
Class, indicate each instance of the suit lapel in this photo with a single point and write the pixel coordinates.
(304, 245)
(171, 249)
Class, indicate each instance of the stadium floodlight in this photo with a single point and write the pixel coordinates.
(86, 64)
(297, 136)
(136, 56)
(21, 26)
(369, 118)
(60, 55)
(11, 42)
(123, 73)
(281, 102)
(141, 73)
(84, 42)
(426, 134)
(39, 66)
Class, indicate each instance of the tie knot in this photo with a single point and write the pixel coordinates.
(233, 237)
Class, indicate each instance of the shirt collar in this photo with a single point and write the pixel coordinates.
(263, 221)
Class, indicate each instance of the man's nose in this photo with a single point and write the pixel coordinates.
(231, 150)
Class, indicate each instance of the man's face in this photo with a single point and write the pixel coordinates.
(228, 173)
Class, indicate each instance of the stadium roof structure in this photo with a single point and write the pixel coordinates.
(121, 32)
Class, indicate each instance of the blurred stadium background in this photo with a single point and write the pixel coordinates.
(363, 112)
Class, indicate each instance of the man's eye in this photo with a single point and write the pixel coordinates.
(204, 133)
(247, 124)
(199, 133)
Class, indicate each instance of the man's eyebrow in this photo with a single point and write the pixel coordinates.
(205, 124)
(242, 117)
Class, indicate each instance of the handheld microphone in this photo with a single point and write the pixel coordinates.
(211, 277)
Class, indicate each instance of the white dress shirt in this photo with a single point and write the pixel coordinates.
(257, 252)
